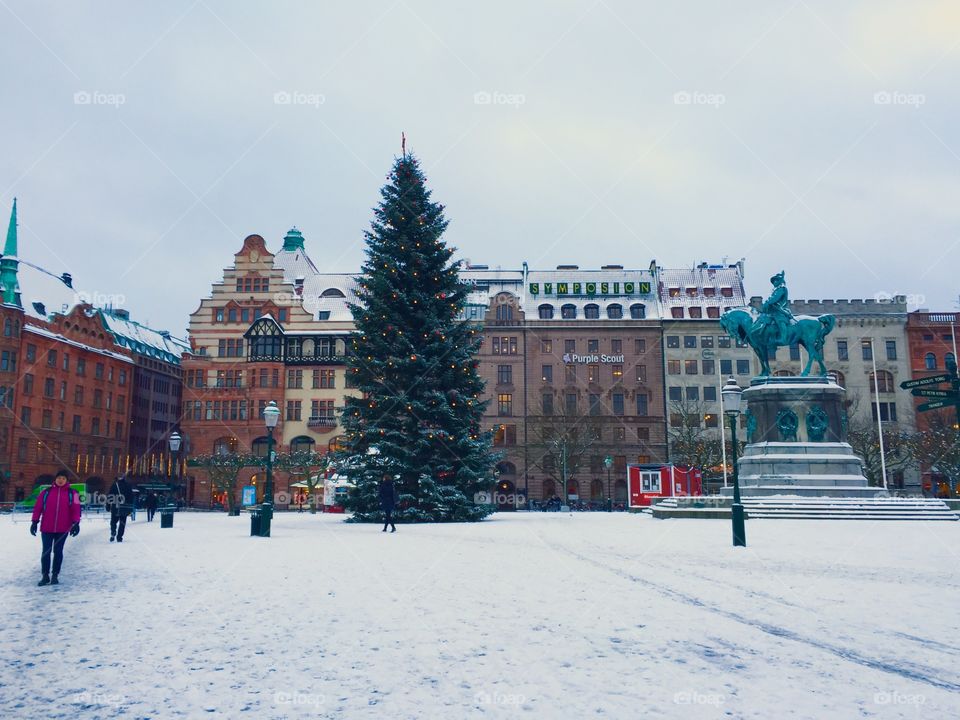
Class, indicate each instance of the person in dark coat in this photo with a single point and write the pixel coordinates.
(151, 503)
(120, 499)
(57, 512)
(388, 501)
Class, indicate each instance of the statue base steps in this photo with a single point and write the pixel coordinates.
(797, 507)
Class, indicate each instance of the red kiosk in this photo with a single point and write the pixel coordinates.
(649, 481)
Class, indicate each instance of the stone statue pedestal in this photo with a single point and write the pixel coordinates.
(796, 430)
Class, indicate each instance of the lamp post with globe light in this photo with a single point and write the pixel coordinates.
(175, 442)
(608, 463)
(732, 395)
(271, 414)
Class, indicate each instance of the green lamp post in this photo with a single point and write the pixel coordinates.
(608, 463)
(271, 414)
(732, 395)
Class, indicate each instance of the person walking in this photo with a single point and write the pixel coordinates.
(151, 503)
(388, 501)
(120, 499)
(57, 512)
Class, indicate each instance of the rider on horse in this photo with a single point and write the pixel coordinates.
(776, 312)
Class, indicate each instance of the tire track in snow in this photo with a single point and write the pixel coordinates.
(775, 630)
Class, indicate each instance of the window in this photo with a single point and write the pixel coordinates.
(295, 378)
(569, 312)
(546, 373)
(884, 382)
(891, 349)
(690, 367)
(98, 371)
(839, 377)
(676, 313)
(650, 481)
(743, 367)
(723, 341)
(571, 404)
(504, 404)
(615, 312)
(218, 313)
(842, 354)
(234, 347)
(294, 409)
(690, 341)
(76, 423)
(63, 390)
(97, 398)
(322, 411)
(639, 346)
(706, 341)
(51, 358)
(569, 346)
(709, 367)
(505, 345)
(888, 411)
(546, 347)
(643, 434)
(711, 420)
(25, 416)
(673, 367)
(505, 435)
(504, 312)
(593, 346)
(949, 360)
(547, 403)
(570, 373)
(324, 378)
(675, 393)
(81, 367)
(641, 373)
(616, 346)
(618, 403)
(546, 312)
(593, 373)
(595, 405)
(617, 371)
(122, 379)
(726, 367)
(8, 361)
(590, 312)
(709, 393)
(504, 374)
(638, 311)
(641, 405)
(695, 312)
(693, 393)
(28, 384)
(31, 353)
(794, 351)
(673, 341)
(866, 349)
(930, 361)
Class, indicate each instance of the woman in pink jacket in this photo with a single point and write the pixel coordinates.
(59, 508)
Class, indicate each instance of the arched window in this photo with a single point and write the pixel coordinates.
(841, 380)
(546, 312)
(507, 468)
(884, 382)
(332, 292)
(596, 490)
(638, 311)
(930, 361)
(224, 446)
(504, 312)
(573, 489)
(7, 327)
(259, 446)
(620, 491)
(614, 311)
(949, 359)
(568, 312)
(302, 443)
(591, 312)
(549, 489)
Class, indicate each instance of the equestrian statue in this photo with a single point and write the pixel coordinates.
(775, 326)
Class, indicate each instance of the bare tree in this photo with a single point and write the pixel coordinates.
(303, 466)
(560, 443)
(938, 446)
(694, 444)
(223, 469)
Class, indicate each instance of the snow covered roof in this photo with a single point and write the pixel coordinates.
(143, 340)
(325, 295)
(701, 287)
(43, 332)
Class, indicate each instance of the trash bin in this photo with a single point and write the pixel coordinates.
(254, 523)
(166, 517)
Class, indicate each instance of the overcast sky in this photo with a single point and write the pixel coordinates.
(146, 140)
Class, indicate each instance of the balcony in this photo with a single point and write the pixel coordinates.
(322, 422)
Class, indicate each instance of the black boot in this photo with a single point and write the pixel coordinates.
(45, 580)
(54, 580)
(384, 528)
(112, 538)
(393, 528)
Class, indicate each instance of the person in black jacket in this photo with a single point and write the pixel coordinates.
(120, 500)
(151, 504)
(388, 501)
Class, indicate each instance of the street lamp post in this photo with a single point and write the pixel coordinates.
(732, 395)
(175, 442)
(608, 463)
(271, 413)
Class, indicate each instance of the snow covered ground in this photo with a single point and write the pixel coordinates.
(523, 615)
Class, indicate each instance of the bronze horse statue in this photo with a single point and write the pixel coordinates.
(805, 330)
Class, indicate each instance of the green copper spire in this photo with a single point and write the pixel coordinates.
(8, 265)
(293, 240)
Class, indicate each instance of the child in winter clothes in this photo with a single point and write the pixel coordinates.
(59, 508)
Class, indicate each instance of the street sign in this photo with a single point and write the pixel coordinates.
(937, 404)
(936, 393)
(932, 380)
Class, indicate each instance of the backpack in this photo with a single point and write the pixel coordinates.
(70, 492)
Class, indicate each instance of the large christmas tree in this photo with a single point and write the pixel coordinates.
(413, 358)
